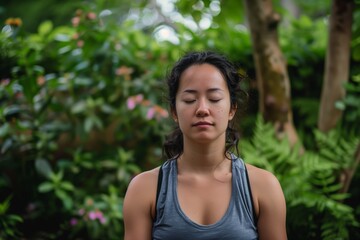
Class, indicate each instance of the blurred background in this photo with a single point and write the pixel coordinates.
(83, 108)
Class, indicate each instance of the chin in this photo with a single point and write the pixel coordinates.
(204, 139)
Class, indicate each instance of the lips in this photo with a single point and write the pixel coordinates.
(202, 124)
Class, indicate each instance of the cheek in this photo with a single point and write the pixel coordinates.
(224, 110)
(182, 112)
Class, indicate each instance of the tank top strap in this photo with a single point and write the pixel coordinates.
(242, 189)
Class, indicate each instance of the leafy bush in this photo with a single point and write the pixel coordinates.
(8, 222)
(75, 101)
(310, 180)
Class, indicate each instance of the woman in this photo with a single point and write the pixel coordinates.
(204, 191)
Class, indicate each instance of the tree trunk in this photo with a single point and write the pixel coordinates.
(337, 66)
(336, 63)
(271, 72)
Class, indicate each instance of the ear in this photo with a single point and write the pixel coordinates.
(174, 115)
(232, 112)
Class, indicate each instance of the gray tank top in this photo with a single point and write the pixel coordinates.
(237, 223)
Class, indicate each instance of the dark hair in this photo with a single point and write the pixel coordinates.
(173, 146)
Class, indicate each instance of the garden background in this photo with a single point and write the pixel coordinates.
(83, 109)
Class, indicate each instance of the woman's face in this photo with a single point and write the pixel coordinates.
(203, 107)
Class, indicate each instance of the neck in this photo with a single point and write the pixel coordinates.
(203, 158)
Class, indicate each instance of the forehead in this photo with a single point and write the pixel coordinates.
(202, 76)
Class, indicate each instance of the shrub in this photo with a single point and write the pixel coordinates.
(75, 100)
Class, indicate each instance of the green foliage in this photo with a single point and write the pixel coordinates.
(314, 8)
(57, 11)
(350, 105)
(305, 56)
(8, 222)
(356, 32)
(75, 101)
(310, 181)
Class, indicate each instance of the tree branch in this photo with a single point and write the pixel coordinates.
(348, 174)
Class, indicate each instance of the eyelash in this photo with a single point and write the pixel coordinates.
(211, 100)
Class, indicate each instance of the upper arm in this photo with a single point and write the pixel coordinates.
(138, 206)
(270, 202)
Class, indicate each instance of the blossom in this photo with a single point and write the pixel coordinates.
(156, 112)
(153, 110)
(124, 71)
(40, 80)
(139, 98)
(97, 214)
(75, 21)
(150, 113)
(132, 101)
(162, 112)
(15, 22)
(92, 215)
(91, 16)
(73, 221)
(80, 43)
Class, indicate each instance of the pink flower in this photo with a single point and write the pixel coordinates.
(80, 43)
(150, 113)
(133, 101)
(75, 21)
(92, 215)
(100, 216)
(102, 220)
(139, 98)
(131, 104)
(73, 221)
(157, 112)
(91, 16)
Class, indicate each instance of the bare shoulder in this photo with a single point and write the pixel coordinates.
(261, 178)
(269, 203)
(143, 185)
(144, 179)
(265, 188)
(139, 205)
(141, 191)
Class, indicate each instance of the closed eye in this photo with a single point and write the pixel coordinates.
(214, 100)
(189, 101)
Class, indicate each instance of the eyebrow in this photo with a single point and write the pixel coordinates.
(209, 90)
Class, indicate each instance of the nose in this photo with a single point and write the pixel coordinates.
(202, 110)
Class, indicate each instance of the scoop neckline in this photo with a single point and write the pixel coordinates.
(188, 219)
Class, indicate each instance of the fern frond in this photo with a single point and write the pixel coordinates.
(310, 181)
